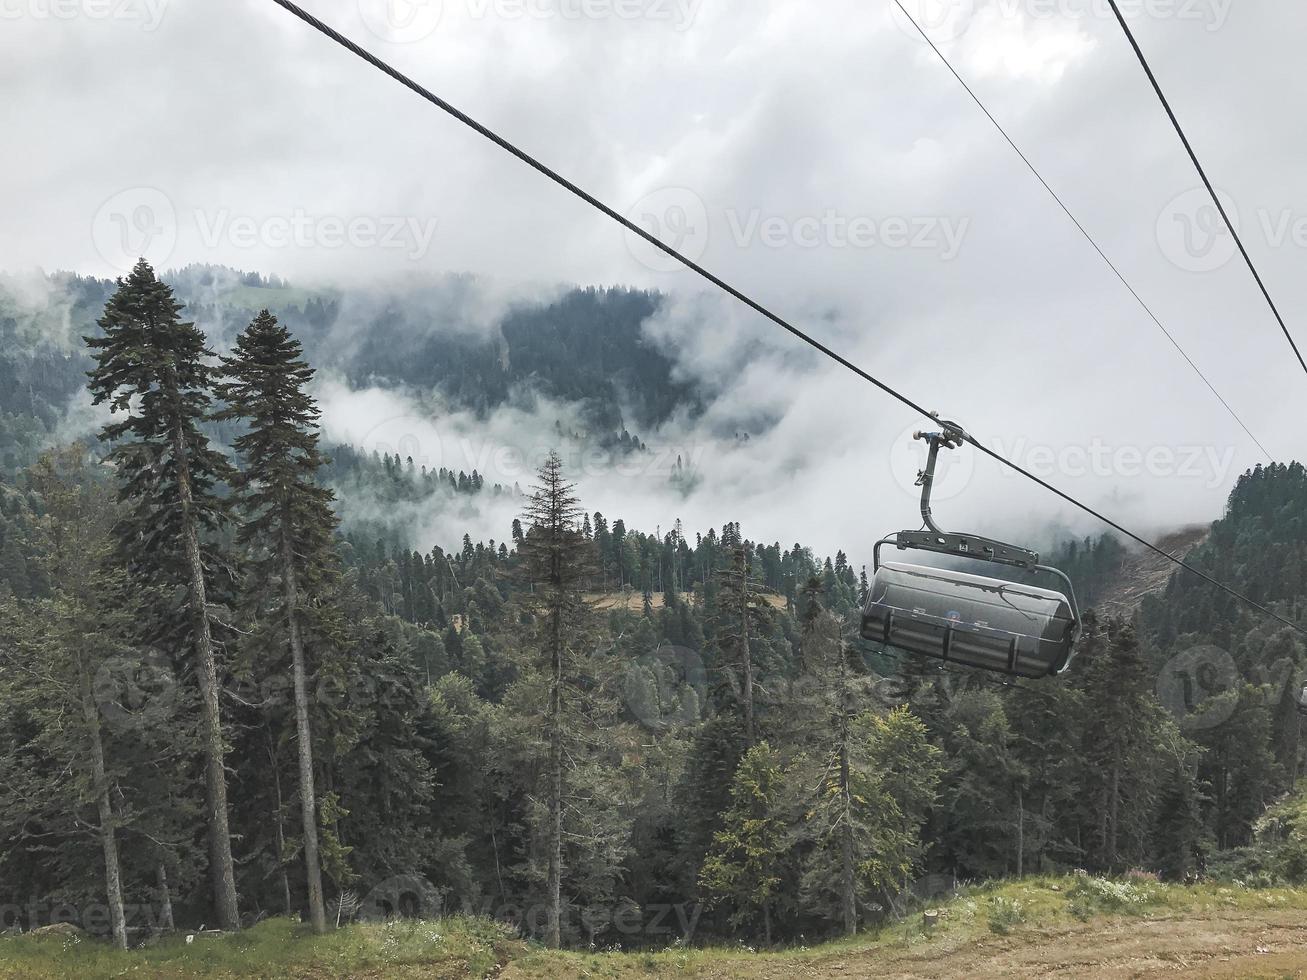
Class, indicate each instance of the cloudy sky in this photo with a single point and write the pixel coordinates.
(818, 156)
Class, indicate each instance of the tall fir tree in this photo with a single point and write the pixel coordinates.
(288, 527)
(153, 370)
(556, 559)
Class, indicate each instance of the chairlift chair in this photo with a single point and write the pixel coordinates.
(963, 618)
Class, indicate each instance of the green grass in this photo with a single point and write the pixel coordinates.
(455, 947)
(464, 947)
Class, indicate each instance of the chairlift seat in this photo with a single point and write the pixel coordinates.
(970, 620)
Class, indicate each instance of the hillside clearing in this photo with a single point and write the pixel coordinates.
(1039, 927)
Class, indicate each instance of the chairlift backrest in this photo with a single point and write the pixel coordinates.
(970, 620)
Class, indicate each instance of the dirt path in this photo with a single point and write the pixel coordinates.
(1266, 945)
(1220, 945)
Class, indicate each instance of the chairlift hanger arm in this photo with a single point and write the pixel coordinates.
(935, 538)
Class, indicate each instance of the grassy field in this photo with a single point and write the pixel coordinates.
(278, 948)
(1070, 927)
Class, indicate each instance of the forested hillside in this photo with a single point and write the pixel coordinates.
(583, 346)
(218, 702)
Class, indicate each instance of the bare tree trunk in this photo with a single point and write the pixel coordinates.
(222, 869)
(304, 737)
(108, 840)
(1021, 834)
(166, 923)
(281, 831)
(554, 930)
(1113, 816)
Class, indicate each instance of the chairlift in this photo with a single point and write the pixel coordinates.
(963, 618)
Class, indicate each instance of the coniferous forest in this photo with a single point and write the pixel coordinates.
(219, 702)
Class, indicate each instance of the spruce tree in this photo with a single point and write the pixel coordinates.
(556, 559)
(153, 370)
(288, 525)
(743, 866)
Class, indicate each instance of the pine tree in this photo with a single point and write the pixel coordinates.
(152, 369)
(556, 559)
(289, 524)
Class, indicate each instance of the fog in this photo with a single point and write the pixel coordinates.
(827, 164)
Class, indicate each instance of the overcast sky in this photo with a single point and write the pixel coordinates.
(817, 155)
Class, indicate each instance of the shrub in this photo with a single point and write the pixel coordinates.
(1091, 895)
(1004, 913)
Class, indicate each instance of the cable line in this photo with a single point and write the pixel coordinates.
(743, 298)
(1076, 221)
(1206, 182)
